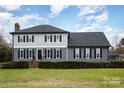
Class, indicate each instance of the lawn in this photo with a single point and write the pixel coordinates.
(60, 78)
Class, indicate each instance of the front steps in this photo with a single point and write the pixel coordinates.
(34, 64)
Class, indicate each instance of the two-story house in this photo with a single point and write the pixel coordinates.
(49, 43)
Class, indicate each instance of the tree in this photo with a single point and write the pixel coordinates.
(5, 51)
(122, 41)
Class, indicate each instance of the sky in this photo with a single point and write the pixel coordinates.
(79, 18)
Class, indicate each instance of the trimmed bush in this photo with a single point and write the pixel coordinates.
(14, 65)
(21, 64)
(78, 65)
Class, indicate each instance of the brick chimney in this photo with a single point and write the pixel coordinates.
(17, 27)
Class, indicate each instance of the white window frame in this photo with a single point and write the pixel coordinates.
(48, 57)
(87, 53)
(30, 56)
(98, 52)
(21, 38)
(22, 53)
(77, 55)
(29, 38)
(58, 53)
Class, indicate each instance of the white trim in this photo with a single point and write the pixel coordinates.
(30, 50)
(77, 53)
(37, 54)
(49, 53)
(40, 46)
(97, 52)
(22, 53)
(56, 53)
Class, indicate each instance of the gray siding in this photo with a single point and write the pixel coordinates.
(16, 59)
(64, 55)
(104, 55)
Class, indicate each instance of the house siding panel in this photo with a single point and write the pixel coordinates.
(104, 55)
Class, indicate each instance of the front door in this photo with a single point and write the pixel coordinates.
(40, 54)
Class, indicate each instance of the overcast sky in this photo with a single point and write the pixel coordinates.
(107, 19)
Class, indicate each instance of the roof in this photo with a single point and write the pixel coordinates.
(41, 29)
(88, 39)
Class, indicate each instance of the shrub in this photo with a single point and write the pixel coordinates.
(78, 65)
(21, 64)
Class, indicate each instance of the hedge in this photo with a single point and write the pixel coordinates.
(65, 65)
(78, 65)
(14, 65)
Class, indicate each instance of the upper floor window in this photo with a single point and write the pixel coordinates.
(28, 38)
(53, 38)
(60, 38)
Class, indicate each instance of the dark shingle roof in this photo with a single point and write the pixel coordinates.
(41, 29)
(88, 39)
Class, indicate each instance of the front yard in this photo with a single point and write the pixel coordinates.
(61, 78)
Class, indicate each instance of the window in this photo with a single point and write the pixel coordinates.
(21, 54)
(57, 53)
(32, 38)
(30, 53)
(87, 53)
(48, 54)
(60, 38)
(50, 38)
(21, 38)
(45, 38)
(54, 38)
(77, 53)
(18, 38)
(97, 53)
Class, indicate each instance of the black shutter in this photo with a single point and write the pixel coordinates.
(18, 38)
(33, 53)
(60, 53)
(27, 54)
(54, 53)
(45, 53)
(27, 38)
(94, 52)
(24, 38)
(54, 38)
(84, 53)
(73, 53)
(45, 38)
(51, 53)
(50, 38)
(18, 53)
(90, 52)
(32, 38)
(24, 53)
(100, 52)
(79, 53)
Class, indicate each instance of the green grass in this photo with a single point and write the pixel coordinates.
(62, 78)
